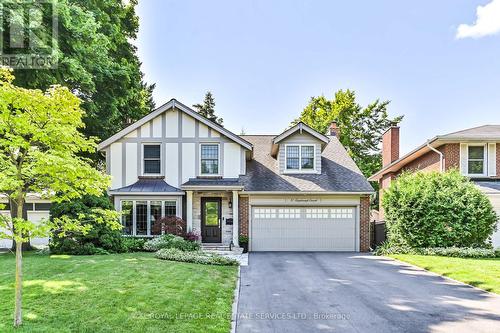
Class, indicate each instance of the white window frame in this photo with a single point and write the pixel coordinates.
(178, 212)
(219, 161)
(143, 160)
(300, 170)
(485, 160)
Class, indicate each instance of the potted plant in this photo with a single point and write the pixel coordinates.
(243, 240)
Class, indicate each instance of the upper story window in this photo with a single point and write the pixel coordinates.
(152, 159)
(300, 157)
(209, 159)
(476, 160)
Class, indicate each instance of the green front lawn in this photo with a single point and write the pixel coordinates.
(481, 273)
(122, 292)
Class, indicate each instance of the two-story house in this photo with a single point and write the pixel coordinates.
(296, 191)
(474, 151)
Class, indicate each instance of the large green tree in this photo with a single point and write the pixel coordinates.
(361, 128)
(41, 152)
(207, 108)
(97, 62)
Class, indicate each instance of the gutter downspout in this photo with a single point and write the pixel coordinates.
(439, 153)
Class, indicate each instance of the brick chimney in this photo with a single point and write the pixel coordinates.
(334, 129)
(390, 145)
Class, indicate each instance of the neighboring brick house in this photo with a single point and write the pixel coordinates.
(475, 152)
(296, 191)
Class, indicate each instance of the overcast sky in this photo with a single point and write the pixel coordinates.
(437, 61)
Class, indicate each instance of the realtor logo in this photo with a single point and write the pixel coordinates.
(29, 32)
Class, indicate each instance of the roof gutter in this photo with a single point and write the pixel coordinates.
(441, 169)
(212, 188)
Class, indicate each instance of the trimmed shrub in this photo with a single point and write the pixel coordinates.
(170, 241)
(100, 239)
(133, 244)
(437, 210)
(458, 252)
(197, 257)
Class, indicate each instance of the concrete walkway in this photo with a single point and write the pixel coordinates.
(352, 292)
(235, 254)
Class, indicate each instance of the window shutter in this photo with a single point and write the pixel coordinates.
(492, 159)
(463, 158)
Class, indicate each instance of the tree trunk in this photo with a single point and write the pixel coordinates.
(18, 320)
(14, 212)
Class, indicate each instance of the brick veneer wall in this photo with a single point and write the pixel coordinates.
(364, 224)
(426, 162)
(451, 156)
(390, 144)
(243, 215)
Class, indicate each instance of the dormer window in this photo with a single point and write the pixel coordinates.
(299, 157)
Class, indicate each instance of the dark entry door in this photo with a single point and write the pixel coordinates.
(211, 220)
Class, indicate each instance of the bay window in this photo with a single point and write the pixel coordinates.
(127, 217)
(139, 216)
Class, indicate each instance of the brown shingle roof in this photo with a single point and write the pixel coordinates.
(339, 173)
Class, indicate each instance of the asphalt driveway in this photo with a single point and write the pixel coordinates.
(352, 292)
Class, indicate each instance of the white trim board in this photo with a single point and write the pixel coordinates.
(300, 127)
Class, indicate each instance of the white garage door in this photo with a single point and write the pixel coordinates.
(495, 201)
(303, 229)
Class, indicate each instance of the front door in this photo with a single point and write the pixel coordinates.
(211, 220)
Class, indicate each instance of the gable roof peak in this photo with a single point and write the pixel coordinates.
(300, 126)
(174, 104)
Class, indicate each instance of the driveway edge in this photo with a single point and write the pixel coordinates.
(234, 314)
(440, 275)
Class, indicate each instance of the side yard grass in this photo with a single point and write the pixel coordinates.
(482, 273)
(132, 292)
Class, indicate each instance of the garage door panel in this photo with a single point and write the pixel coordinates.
(303, 229)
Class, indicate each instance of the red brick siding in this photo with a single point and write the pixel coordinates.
(243, 215)
(390, 146)
(364, 224)
(427, 162)
(451, 156)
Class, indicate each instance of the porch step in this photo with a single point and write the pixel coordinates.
(214, 247)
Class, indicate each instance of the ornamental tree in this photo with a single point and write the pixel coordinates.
(41, 151)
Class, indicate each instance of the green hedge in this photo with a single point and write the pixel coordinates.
(197, 257)
(437, 210)
(459, 252)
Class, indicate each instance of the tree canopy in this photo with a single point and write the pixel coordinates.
(361, 128)
(98, 63)
(41, 152)
(207, 108)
